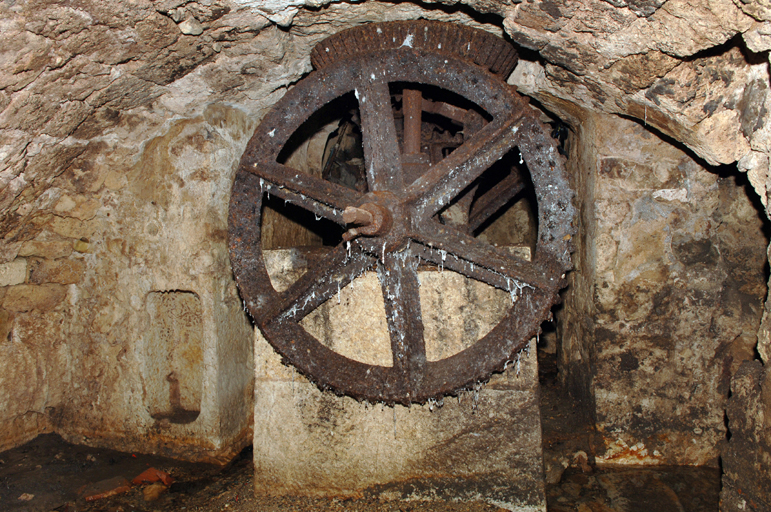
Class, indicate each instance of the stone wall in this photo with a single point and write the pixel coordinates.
(668, 299)
(122, 229)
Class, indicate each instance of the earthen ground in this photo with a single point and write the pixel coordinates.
(55, 473)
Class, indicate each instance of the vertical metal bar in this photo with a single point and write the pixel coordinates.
(413, 109)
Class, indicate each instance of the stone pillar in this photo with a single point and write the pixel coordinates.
(575, 320)
(671, 279)
(484, 444)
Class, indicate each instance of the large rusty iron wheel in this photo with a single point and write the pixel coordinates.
(397, 222)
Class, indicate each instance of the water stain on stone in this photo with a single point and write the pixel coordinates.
(694, 252)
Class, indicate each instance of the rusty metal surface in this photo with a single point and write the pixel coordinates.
(408, 230)
(494, 199)
(473, 45)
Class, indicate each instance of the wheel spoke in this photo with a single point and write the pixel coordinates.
(381, 147)
(447, 110)
(444, 260)
(399, 282)
(332, 273)
(458, 251)
(444, 181)
(321, 197)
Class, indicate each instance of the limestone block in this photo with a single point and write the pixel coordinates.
(758, 39)
(47, 250)
(639, 67)
(69, 227)
(160, 329)
(26, 297)
(78, 207)
(759, 9)
(67, 119)
(62, 271)
(187, 392)
(722, 139)
(755, 164)
(310, 442)
(484, 444)
(14, 272)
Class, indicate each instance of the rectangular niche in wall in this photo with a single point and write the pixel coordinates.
(174, 356)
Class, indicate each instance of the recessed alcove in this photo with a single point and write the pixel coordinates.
(173, 352)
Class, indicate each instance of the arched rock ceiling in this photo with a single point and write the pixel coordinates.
(81, 81)
(695, 70)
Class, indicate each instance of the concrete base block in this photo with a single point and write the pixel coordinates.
(484, 445)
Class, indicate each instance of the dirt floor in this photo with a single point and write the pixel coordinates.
(48, 474)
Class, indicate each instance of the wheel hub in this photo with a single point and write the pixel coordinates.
(371, 218)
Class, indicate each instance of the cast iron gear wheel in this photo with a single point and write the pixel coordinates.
(396, 223)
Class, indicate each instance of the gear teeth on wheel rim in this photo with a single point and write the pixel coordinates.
(477, 46)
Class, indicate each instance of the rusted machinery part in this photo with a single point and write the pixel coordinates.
(474, 45)
(413, 232)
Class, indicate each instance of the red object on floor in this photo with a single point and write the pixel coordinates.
(153, 475)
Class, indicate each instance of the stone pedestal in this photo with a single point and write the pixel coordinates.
(484, 444)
